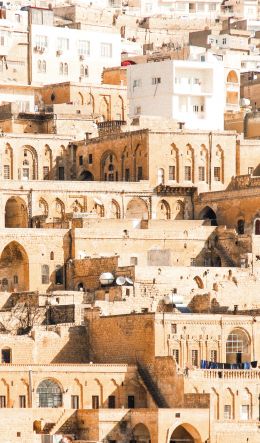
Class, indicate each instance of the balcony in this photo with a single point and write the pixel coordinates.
(226, 374)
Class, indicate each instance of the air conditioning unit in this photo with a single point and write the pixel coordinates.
(82, 57)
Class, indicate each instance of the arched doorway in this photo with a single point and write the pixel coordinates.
(141, 434)
(109, 167)
(241, 227)
(257, 227)
(49, 394)
(14, 268)
(16, 215)
(137, 209)
(208, 214)
(86, 176)
(185, 433)
(163, 210)
(238, 347)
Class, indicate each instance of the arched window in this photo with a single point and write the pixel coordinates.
(61, 68)
(237, 347)
(45, 274)
(52, 255)
(49, 395)
(59, 275)
(84, 71)
(241, 227)
(15, 279)
(65, 69)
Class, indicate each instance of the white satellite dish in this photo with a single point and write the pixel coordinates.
(120, 281)
(106, 278)
(129, 281)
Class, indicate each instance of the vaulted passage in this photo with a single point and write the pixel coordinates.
(185, 434)
(14, 268)
(16, 215)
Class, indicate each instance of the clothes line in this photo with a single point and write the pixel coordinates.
(205, 364)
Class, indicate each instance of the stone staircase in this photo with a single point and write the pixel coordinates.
(151, 386)
(66, 423)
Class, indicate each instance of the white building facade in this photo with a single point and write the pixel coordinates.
(190, 92)
(59, 54)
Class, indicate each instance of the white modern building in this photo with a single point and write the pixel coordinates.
(59, 54)
(185, 8)
(190, 92)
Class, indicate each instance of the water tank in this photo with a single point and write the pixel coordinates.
(173, 299)
(106, 278)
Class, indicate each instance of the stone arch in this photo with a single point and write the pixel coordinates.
(199, 282)
(257, 226)
(137, 208)
(185, 432)
(216, 405)
(219, 175)
(189, 163)
(238, 346)
(163, 210)
(80, 100)
(44, 207)
(109, 166)
(7, 162)
(104, 108)
(179, 210)
(115, 209)
(91, 103)
(77, 206)
(16, 213)
(86, 176)
(207, 213)
(29, 171)
(232, 77)
(140, 433)
(14, 262)
(47, 163)
(49, 394)
(174, 162)
(58, 208)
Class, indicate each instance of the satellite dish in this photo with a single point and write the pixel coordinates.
(106, 278)
(129, 281)
(120, 281)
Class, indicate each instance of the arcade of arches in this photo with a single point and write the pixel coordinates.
(14, 268)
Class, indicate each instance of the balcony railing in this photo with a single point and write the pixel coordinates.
(226, 374)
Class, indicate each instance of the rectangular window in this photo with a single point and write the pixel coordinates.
(195, 108)
(227, 412)
(90, 159)
(217, 173)
(175, 353)
(196, 81)
(194, 357)
(6, 356)
(63, 44)
(133, 261)
(156, 80)
(95, 402)
(173, 328)
(41, 41)
(61, 173)
(201, 173)
(244, 412)
(45, 172)
(187, 173)
(172, 173)
(81, 160)
(137, 83)
(75, 402)
(22, 401)
(138, 110)
(193, 261)
(2, 401)
(213, 355)
(250, 170)
(106, 50)
(83, 47)
(45, 274)
(111, 401)
(6, 172)
(139, 173)
(131, 401)
(127, 175)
